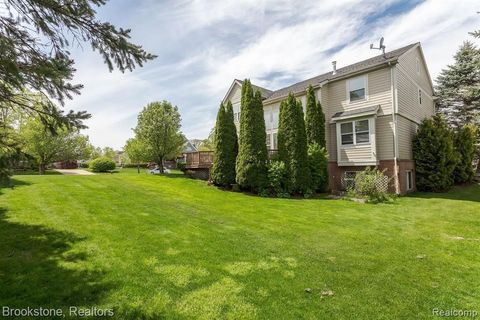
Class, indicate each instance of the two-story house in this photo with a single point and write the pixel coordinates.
(372, 110)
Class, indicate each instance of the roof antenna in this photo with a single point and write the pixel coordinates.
(380, 47)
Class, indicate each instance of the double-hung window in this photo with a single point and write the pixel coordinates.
(268, 141)
(355, 132)
(357, 88)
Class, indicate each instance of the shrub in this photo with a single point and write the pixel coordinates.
(318, 163)
(371, 184)
(181, 166)
(465, 139)
(102, 164)
(435, 158)
(278, 178)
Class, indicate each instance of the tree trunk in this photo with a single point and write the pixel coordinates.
(41, 169)
(138, 168)
(160, 165)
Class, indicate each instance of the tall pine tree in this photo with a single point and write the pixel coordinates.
(465, 139)
(252, 150)
(314, 120)
(292, 145)
(458, 88)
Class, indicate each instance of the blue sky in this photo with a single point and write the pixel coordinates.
(202, 45)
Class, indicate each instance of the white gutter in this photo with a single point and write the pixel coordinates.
(395, 137)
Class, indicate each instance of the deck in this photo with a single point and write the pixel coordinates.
(204, 159)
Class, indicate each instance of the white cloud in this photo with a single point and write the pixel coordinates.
(203, 45)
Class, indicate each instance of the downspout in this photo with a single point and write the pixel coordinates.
(395, 137)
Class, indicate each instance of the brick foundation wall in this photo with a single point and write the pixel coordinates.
(335, 173)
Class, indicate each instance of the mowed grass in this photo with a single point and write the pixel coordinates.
(154, 247)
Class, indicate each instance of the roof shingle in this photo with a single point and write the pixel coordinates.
(391, 56)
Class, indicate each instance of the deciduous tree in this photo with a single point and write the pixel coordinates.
(158, 128)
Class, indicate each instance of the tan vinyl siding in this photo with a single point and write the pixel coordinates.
(408, 82)
(356, 154)
(235, 95)
(406, 131)
(408, 63)
(378, 92)
(331, 138)
(384, 135)
(408, 102)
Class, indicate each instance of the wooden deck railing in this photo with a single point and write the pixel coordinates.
(200, 159)
(204, 159)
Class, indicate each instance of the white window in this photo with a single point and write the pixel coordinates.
(236, 116)
(355, 132)
(268, 141)
(409, 180)
(346, 130)
(275, 141)
(420, 96)
(357, 88)
(275, 119)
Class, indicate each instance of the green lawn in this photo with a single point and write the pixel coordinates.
(169, 247)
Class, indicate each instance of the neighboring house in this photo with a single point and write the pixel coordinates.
(191, 146)
(372, 110)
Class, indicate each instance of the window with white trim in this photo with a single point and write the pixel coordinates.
(357, 88)
(275, 115)
(275, 141)
(355, 132)
(420, 96)
(268, 141)
(409, 180)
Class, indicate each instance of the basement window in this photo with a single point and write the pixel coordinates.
(409, 180)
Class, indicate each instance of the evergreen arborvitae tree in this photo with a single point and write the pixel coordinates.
(434, 154)
(225, 147)
(232, 133)
(458, 88)
(292, 145)
(219, 149)
(465, 139)
(314, 120)
(251, 166)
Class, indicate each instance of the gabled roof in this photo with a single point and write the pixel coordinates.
(265, 92)
(377, 61)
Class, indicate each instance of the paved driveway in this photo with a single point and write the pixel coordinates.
(77, 172)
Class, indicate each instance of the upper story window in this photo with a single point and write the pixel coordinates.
(357, 88)
(355, 132)
(420, 96)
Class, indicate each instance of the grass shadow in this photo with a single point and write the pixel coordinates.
(467, 192)
(38, 268)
